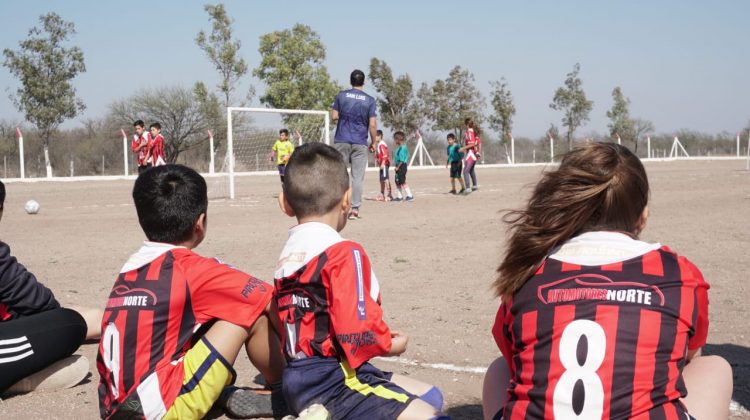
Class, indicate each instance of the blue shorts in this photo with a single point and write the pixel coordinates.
(366, 392)
(282, 169)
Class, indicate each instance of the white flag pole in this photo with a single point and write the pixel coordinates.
(211, 151)
(124, 150)
(551, 147)
(20, 152)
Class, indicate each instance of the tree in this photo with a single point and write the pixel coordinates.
(502, 103)
(448, 102)
(223, 51)
(292, 68)
(641, 128)
(46, 68)
(571, 99)
(621, 124)
(399, 109)
(178, 110)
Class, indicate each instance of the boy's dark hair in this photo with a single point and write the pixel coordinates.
(169, 200)
(451, 136)
(315, 180)
(155, 125)
(399, 136)
(284, 131)
(139, 123)
(2, 195)
(357, 78)
(379, 133)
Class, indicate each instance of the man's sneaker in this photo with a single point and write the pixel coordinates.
(354, 214)
(409, 198)
(474, 188)
(452, 192)
(313, 412)
(467, 191)
(65, 373)
(241, 403)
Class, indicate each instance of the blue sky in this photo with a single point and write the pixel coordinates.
(683, 64)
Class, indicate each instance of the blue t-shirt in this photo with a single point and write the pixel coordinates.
(355, 108)
(402, 154)
(453, 153)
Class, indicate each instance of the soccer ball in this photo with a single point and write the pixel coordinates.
(31, 207)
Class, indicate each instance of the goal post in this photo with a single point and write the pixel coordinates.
(251, 133)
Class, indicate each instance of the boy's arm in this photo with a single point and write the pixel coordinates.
(19, 289)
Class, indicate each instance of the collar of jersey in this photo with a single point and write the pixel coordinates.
(148, 252)
(599, 248)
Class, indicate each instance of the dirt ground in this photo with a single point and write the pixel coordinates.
(435, 259)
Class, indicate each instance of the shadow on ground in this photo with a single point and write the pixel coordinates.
(465, 412)
(739, 358)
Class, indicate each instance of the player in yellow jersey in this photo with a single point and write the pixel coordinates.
(283, 149)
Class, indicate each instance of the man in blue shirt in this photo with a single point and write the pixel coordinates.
(355, 113)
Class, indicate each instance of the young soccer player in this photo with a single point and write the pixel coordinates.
(401, 156)
(37, 335)
(470, 149)
(175, 321)
(282, 149)
(329, 305)
(454, 161)
(595, 323)
(156, 155)
(139, 146)
(384, 163)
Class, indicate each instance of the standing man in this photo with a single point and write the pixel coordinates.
(355, 114)
(139, 146)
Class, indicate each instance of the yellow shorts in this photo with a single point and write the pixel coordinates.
(207, 373)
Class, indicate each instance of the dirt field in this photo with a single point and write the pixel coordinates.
(435, 259)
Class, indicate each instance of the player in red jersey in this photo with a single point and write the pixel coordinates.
(471, 154)
(139, 146)
(595, 323)
(175, 321)
(384, 163)
(156, 155)
(329, 305)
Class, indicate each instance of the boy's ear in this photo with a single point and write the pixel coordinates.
(642, 221)
(284, 205)
(346, 200)
(200, 225)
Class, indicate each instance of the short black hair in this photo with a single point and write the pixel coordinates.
(357, 78)
(2, 195)
(315, 179)
(169, 199)
(379, 133)
(155, 125)
(139, 123)
(284, 131)
(451, 136)
(399, 136)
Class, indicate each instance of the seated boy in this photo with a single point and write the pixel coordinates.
(329, 305)
(175, 321)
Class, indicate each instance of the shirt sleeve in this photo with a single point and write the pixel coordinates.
(373, 109)
(219, 291)
(335, 104)
(700, 325)
(275, 147)
(502, 324)
(20, 291)
(356, 318)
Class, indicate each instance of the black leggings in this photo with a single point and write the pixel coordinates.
(31, 343)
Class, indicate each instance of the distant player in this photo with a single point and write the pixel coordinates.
(454, 161)
(139, 146)
(595, 323)
(175, 321)
(282, 149)
(384, 163)
(156, 155)
(401, 157)
(329, 305)
(470, 149)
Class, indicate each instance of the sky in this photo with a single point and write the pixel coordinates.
(683, 64)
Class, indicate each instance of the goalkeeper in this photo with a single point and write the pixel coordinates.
(283, 149)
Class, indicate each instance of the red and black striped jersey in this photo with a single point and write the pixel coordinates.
(328, 298)
(603, 341)
(160, 299)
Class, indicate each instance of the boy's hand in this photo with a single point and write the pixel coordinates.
(398, 343)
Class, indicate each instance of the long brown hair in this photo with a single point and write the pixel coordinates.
(599, 186)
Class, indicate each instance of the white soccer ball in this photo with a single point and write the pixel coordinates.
(31, 207)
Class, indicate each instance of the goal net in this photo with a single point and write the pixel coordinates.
(251, 133)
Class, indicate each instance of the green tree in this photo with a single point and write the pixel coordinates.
(448, 102)
(502, 103)
(399, 108)
(45, 69)
(621, 124)
(223, 51)
(292, 68)
(571, 99)
(640, 129)
(183, 119)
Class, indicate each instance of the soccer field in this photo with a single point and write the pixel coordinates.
(435, 259)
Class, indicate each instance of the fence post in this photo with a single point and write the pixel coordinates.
(125, 150)
(551, 148)
(648, 145)
(512, 149)
(20, 151)
(211, 150)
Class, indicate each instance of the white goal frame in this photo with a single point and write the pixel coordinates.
(230, 143)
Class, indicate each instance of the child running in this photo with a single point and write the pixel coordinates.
(282, 149)
(401, 157)
(329, 305)
(454, 161)
(175, 321)
(384, 163)
(595, 323)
